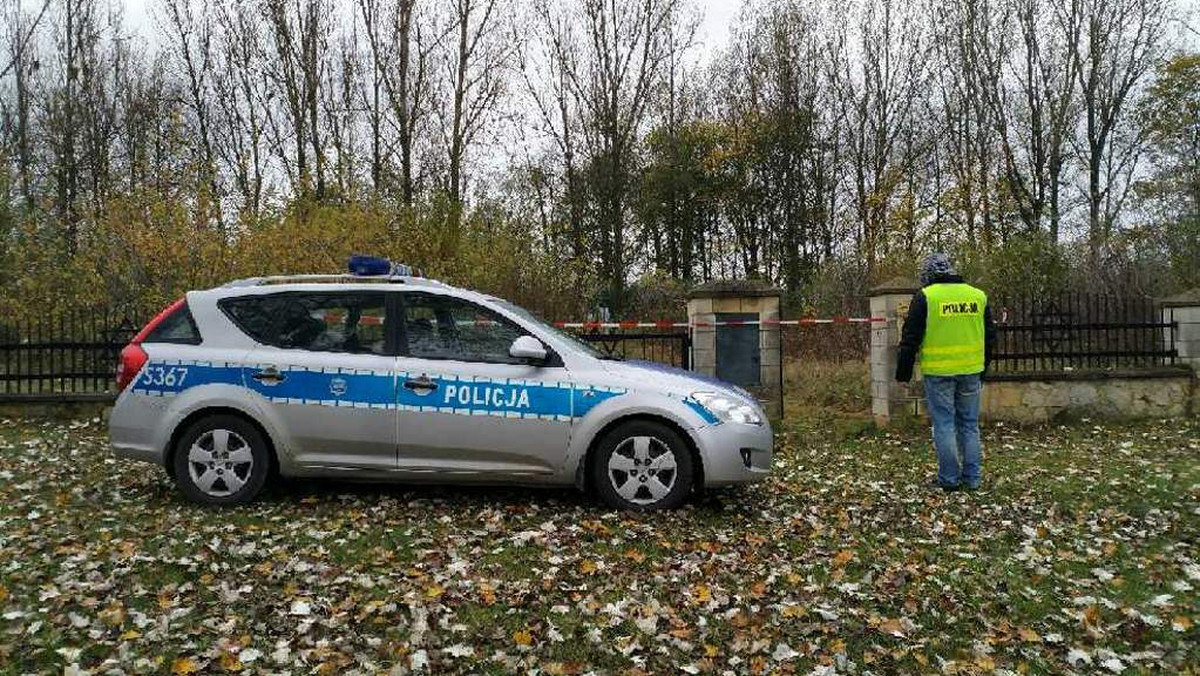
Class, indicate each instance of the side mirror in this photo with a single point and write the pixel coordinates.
(528, 348)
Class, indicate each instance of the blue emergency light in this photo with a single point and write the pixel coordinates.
(375, 266)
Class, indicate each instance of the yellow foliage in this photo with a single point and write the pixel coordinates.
(145, 251)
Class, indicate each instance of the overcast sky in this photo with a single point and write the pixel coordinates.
(718, 15)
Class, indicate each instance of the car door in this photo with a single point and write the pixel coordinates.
(466, 406)
(325, 366)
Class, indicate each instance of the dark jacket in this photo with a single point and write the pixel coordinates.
(914, 331)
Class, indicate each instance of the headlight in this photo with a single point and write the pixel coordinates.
(728, 409)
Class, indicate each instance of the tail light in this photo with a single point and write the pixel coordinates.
(133, 357)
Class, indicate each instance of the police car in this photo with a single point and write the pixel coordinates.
(396, 377)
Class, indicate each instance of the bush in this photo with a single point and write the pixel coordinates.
(837, 386)
(144, 252)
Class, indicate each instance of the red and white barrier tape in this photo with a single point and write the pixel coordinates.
(675, 325)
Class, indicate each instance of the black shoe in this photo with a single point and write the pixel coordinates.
(971, 488)
(949, 488)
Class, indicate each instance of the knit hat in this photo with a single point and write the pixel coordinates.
(936, 264)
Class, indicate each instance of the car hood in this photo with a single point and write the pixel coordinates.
(672, 378)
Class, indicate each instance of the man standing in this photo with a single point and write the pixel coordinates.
(950, 324)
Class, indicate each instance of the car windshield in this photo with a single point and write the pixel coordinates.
(570, 339)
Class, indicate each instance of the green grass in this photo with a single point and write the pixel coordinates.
(1083, 546)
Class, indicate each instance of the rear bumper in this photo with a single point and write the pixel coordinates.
(734, 453)
(133, 429)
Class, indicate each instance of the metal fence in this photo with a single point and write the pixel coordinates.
(73, 355)
(1080, 332)
(668, 347)
(66, 356)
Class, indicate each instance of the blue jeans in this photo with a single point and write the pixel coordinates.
(953, 403)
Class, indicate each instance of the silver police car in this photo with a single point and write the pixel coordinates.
(402, 378)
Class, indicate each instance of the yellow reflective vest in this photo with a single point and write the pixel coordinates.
(954, 330)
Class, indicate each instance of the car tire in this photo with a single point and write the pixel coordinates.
(642, 465)
(221, 460)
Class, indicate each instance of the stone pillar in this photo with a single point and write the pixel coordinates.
(888, 397)
(1184, 310)
(754, 301)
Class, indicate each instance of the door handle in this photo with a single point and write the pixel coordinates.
(422, 384)
(269, 375)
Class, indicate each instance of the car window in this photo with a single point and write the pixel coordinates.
(323, 322)
(178, 327)
(255, 315)
(444, 327)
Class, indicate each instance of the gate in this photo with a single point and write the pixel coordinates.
(673, 348)
(739, 355)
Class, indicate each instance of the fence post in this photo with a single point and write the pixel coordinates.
(889, 301)
(1184, 310)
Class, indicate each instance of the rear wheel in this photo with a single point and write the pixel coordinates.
(643, 465)
(221, 460)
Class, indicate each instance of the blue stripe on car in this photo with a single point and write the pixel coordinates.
(491, 397)
(346, 387)
(705, 414)
(360, 388)
(166, 378)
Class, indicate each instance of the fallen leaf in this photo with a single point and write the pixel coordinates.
(183, 666)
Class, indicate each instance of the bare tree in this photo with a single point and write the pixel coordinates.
(397, 93)
(20, 28)
(191, 34)
(340, 106)
(1121, 44)
(242, 98)
(300, 31)
(479, 53)
(967, 76)
(1032, 103)
(618, 52)
(880, 94)
(546, 64)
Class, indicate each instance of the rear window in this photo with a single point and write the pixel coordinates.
(322, 322)
(178, 327)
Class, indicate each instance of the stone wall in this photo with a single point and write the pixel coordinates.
(1164, 392)
(1167, 393)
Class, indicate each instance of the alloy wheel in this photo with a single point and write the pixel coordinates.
(220, 462)
(642, 469)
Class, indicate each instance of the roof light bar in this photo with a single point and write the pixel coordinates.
(361, 269)
(370, 266)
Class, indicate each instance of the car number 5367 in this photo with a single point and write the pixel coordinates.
(170, 376)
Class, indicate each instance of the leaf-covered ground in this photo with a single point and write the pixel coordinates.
(1081, 555)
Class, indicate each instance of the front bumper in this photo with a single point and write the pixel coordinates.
(734, 453)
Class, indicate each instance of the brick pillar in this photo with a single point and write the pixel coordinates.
(701, 317)
(1184, 310)
(889, 398)
(748, 298)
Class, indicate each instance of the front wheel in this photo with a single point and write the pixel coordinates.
(643, 465)
(221, 460)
